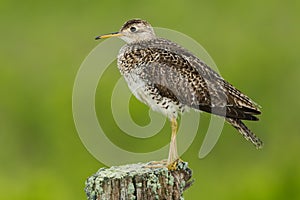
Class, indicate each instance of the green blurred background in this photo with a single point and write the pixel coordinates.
(255, 45)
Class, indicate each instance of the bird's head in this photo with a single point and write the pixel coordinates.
(133, 31)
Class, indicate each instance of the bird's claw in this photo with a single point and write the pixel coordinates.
(174, 165)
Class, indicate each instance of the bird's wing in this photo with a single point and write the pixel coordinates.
(174, 70)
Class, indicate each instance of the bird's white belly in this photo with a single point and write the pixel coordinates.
(141, 91)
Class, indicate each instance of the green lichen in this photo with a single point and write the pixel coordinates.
(125, 174)
(130, 191)
(153, 183)
(182, 184)
(171, 180)
(139, 184)
(130, 188)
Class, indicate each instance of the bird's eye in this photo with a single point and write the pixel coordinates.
(132, 29)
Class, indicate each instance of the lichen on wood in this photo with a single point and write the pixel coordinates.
(139, 181)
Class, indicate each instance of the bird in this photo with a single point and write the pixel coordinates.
(171, 80)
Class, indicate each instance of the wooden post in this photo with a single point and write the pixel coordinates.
(139, 181)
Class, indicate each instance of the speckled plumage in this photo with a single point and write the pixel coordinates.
(183, 78)
(170, 79)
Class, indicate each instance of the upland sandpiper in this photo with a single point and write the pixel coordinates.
(170, 79)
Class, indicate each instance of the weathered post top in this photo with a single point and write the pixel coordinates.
(139, 181)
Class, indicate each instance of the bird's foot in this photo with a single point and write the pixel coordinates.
(174, 165)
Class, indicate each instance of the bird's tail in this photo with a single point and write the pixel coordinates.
(245, 131)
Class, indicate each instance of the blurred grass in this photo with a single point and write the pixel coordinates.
(255, 45)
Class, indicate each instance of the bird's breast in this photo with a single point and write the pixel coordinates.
(148, 93)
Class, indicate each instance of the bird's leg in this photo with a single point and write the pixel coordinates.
(173, 155)
(173, 158)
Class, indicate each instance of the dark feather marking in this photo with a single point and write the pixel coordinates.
(177, 79)
(246, 132)
(132, 22)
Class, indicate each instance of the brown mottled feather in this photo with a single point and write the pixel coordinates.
(169, 78)
(246, 132)
(132, 22)
(190, 80)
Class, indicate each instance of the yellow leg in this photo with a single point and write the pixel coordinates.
(173, 155)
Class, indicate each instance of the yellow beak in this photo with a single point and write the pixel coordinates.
(116, 34)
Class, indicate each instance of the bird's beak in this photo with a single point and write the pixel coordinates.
(116, 34)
